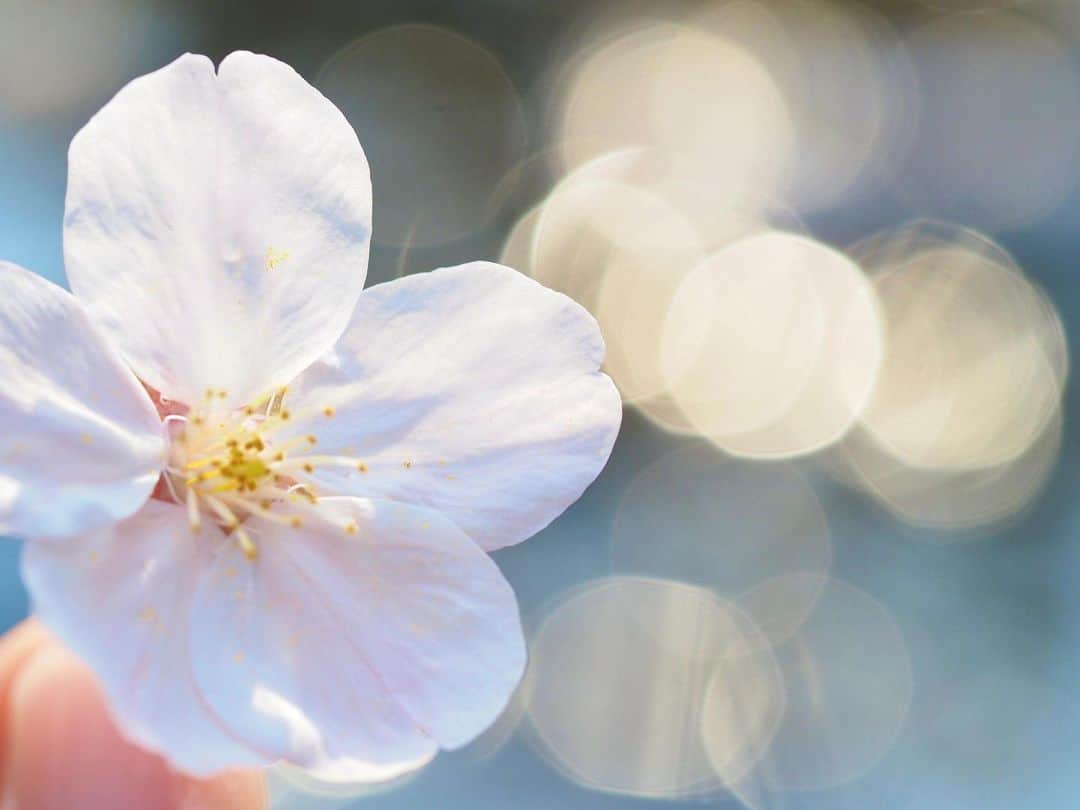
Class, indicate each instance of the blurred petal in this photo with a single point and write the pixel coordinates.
(218, 225)
(471, 390)
(120, 599)
(356, 653)
(80, 441)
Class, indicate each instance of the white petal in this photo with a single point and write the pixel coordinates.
(471, 390)
(80, 442)
(120, 598)
(218, 225)
(358, 653)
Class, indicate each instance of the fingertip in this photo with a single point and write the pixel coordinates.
(21, 640)
(233, 790)
(17, 646)
(66, 753)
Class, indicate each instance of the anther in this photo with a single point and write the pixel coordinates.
(328, 411)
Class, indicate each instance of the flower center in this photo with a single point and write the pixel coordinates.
(232, 464)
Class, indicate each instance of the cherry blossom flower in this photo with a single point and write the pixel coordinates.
(258, 501)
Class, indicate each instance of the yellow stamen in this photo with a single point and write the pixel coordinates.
(247, 545)
(321, 461)
(194, 519)
(227, 516)
(234, 468)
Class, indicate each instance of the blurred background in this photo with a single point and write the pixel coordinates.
(832, 247)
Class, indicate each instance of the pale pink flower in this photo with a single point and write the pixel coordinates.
(329, 468)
